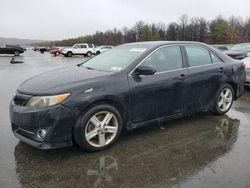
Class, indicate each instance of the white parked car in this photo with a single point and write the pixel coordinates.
(246, 62)
(101, 49)
(79, 49)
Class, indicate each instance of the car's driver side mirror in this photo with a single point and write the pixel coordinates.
(144, 70)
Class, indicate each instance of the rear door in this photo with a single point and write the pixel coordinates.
(91, 48)
(206, 71)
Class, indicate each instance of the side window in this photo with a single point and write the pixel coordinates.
(83, 46)
(77, 46)
(90, 45)
(165, 59)
(198, 56)
(215, 59)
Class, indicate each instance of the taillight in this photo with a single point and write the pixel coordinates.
(245, 66)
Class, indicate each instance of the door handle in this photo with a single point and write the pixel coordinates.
(182, 77)
(221, 69)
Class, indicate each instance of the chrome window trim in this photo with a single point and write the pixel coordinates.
(167, 45)
(170, 71)
(205, 65)
(189, 67)
(164, 72)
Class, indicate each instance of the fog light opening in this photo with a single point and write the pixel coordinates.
(41, 134)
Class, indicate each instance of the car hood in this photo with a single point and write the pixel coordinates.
(236, 54)
(59, 81)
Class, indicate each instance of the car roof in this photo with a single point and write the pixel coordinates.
(158, 43)
(155, 44)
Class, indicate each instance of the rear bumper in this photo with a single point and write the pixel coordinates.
(247, 83)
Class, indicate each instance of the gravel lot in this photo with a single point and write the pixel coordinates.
(197, 151)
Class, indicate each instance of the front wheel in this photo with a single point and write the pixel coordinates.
(224, 100)
(98, 128)
(16, 53)
(69, 54)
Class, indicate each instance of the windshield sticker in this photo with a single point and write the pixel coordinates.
(137, 50)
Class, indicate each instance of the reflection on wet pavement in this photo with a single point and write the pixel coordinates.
(196, 151)
(142, 158)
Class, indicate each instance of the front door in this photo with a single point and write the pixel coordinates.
(160, 94)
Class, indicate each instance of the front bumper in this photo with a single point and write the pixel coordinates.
(56, 120)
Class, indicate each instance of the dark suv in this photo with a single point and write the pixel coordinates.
(11, 49)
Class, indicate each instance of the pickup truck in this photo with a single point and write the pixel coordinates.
(101, 49)
(79, 49)
(10, 49)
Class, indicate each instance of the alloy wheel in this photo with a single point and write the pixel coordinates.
(16, 53)
(101, 129)
(225, 99)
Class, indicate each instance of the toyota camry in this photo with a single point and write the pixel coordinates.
(129, 86)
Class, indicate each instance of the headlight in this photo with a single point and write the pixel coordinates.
(45, 101)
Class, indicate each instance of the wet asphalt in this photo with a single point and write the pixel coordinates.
(197, 151)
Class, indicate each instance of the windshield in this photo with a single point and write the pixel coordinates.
(115, 59)
(241, 47)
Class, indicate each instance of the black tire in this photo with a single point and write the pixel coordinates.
(216, 108)
(98, 52)
(80, 127)
(16, 53)
(89, 54)
(69, 54)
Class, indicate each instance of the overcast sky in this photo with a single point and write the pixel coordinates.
(60, 19)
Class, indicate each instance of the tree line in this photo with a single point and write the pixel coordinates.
(217, 31)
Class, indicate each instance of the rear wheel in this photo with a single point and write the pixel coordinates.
(57, 53)
(16, 53)
(224, 100)
(69, 54)
(98, 128)
(98, 52)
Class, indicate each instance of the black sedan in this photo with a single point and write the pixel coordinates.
(11, 49)
(127, 87)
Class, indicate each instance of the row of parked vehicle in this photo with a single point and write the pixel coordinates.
(12, 49)
(241, 52)
(78, 49)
